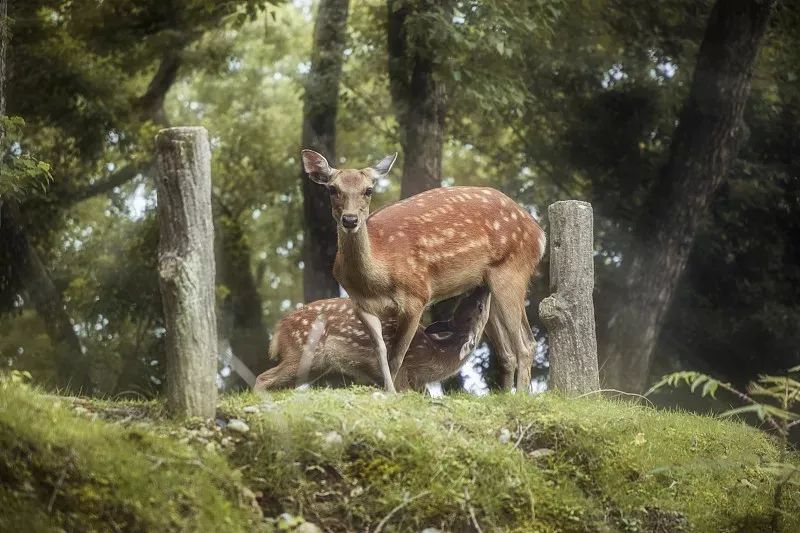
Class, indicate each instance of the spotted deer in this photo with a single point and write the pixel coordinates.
(429, 247)
(326, 337)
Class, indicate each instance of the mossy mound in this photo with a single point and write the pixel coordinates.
(356, 459)
(348, 460)
(62, 471)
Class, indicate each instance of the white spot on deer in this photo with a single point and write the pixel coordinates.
(542, 244)
(514, 215)
(496, 225)
(485, 200)
(503, 239)
(448, 232)
(503, 202)
(515, 235)
(505, 219)
(391, 238)
(400, 234)
(487, 192)
(304, 322)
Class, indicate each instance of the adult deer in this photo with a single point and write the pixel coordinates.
(325, 336)
(429, 247)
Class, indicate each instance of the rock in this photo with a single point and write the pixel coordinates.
(378, 395)
(431, 530)
(504, 436)
(332, 438)
(541, 452)
(239, 426)
(250, 409)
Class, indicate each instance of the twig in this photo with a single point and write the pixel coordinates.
(399, 506)
(522, 433)
(474, 519)
(623, 393)
(55, 490)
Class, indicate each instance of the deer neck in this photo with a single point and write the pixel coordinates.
(356, 253)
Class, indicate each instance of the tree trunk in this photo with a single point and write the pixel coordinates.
(568, 313)
(22, 267)
(319, 133)
(418, 97)
(703, 147)
(244, 323)
(186, 270)
(4, 38)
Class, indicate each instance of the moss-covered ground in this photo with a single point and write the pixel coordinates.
(355, 460)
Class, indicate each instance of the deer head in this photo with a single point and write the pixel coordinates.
(350, 190)
(466, 326)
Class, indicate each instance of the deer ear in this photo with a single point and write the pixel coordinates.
(468, 347)
(316, 166)
(439, 331)
(384, 165)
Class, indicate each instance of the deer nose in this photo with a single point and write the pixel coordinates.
(349, 221)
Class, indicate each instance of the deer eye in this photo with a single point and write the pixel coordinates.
(333, 190)
(368, 191)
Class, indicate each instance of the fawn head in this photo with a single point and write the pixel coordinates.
(466, 326)
(350, 189)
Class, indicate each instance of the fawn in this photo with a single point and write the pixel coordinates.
(429, 247)
(325, 336)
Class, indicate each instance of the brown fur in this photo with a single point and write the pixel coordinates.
(344, 345)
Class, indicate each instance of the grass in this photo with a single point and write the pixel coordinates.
(355, 460)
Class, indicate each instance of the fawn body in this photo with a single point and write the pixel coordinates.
(341, 344)
(429, 247)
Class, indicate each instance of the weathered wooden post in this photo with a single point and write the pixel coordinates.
(186, 270)
(568, 313)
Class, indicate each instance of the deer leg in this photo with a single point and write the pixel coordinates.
(508, 300)
(407, 325)
(373, 325)
(501, 349)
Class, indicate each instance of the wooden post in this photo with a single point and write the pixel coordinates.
(568, 313)
(186, 270)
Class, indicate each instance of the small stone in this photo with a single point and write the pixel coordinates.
(541, 452)
(332, 438)
(307, 527)
(504, 436)
(378, 395)
(380, 435)
(250, 409)
(226, 441)
(239, 426)
(431, 530)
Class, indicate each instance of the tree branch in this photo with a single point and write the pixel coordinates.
(116, 179)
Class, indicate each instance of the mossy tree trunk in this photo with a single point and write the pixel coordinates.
(568, 313)
(186, 270)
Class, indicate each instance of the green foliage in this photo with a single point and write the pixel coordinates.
(772, 399)
(21, 174)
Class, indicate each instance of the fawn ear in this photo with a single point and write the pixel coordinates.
(439, 331)
(468, 347)
(316, 166)
(384, 165)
